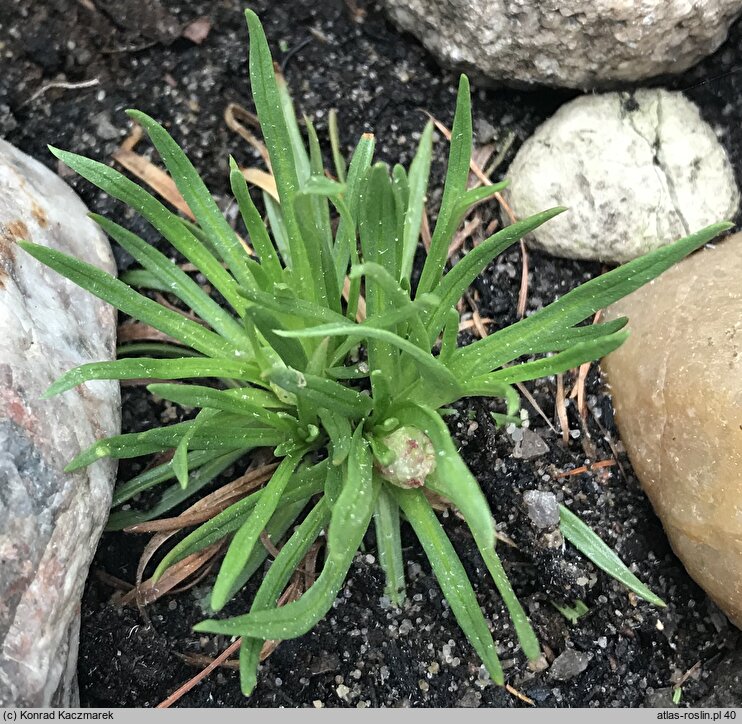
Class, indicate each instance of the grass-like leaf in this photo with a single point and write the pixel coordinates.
(575, 306)
(351, 515)
(451, 577)
(175, 281)
(123, 297)
(247, 536)
(199, 200)
(454, 189)
(304, 484)
(588, 542)
(389, 543)
(275, 580)
(138, 368)
(169, 225)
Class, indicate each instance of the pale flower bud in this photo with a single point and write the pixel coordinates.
(414, 457)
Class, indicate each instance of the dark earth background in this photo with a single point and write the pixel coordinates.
(347, 56)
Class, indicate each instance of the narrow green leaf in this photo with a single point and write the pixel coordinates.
(278, 576)
(278, 229)
(435, 372)
(451, 576)
(163, 349)
(305, 483)
(175, 494)
(401, 192)
(523, 629)
(175, 281)
(582, 537)
(561, 362)
(289, 350)
(143, 279)
(345, 239)
(228, 435)
(243, 401)
(140, 368)
(115, 292)
(322, 392)
(299, 150)
(477, 195)
(457, 177)
(418, 185)
(118, 186)
(278, 141)
(450, 335)
(453, 480)
(199, 200)
(350, 519)
(451, 477)
(259, 237)
(337, 155)
(180, 457)
(247, 536)
(318, 249)
(202, 463)
(455, 283)
(284, 517)
(573, 335)
(338, 428)
(512, 342)
(389, 545)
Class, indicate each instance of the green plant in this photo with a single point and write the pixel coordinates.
(352, 408)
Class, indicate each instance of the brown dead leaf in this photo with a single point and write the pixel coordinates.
(137, 332)
(263, 180)
(237, 118)
(154, 177)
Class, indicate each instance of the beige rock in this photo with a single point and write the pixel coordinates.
(677, 390)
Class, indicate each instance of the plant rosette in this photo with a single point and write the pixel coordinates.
(323, 352)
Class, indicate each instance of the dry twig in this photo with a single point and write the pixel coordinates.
(62, 85)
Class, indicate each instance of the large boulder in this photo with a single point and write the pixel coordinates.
(677, 390)
(50, 520)
(567, 43)
(637, 171)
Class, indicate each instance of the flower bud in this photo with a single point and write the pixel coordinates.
(414, 457)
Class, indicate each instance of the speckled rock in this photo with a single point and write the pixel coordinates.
(637, 171)
(677, 390)
(572, 43)
(569, 664)
(50, 521)
(542, 508)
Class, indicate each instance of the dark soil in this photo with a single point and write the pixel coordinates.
(378, 79)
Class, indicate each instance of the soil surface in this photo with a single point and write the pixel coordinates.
(365, 652)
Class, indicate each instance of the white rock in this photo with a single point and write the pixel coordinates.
(637, 171)
(568, 43)
(50, 521)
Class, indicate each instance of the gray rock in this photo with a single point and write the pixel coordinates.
(543, 509)
(531, 445)
(636, 171)
(470, 700)
(50, 521)
(572, 43)
(569, 664)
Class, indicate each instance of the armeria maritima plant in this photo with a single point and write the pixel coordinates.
(352, 406)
